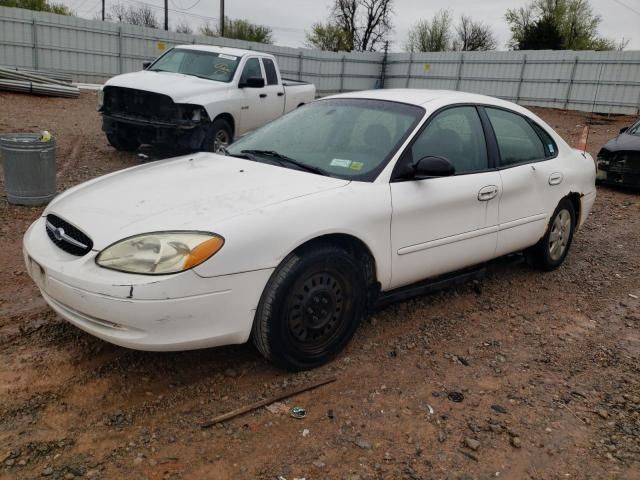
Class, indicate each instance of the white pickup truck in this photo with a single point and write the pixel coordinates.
(197, 97)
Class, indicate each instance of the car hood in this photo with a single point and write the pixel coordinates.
(181, 88)
(195, 192)
(623, 142)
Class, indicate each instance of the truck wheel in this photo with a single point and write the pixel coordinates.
(310, 308)
(219, 136)
(122, 143)
(552, 249)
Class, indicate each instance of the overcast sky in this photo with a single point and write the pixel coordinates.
(290, 18)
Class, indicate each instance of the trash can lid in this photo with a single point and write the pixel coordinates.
(27, 140)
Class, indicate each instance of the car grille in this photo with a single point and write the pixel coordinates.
(67, 237)
(139, 104)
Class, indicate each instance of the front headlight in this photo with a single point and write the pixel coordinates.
(160, 253)
(100, 99)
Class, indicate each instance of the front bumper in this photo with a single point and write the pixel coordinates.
(189, 135)
(619, 168)
(157, 313)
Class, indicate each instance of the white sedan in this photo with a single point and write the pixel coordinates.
(292, 236)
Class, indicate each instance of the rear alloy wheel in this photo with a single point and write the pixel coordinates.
(219, 137)
(552, 249)
(122, 142)
(310, 308)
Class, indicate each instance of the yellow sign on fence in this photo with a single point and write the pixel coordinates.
(162, 46)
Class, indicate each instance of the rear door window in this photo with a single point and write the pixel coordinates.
(517, 139)
(270, 70)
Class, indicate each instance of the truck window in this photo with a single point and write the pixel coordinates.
(251, 69)
(270, 70)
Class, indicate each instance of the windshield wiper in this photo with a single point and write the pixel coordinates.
(282, 159)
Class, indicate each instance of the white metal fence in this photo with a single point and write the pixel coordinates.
(93, 51)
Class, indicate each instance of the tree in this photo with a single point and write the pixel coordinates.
(184, 27)
(473, 36)
(141, 15)
(38, 5)
(240, 30)
(328, 36)
(355, 25)
(574, 20)
(541, 35)
(431, 36)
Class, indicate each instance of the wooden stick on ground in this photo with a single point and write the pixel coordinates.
(267, 401)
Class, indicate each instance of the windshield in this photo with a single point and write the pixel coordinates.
(634, 129)
(213, 66)
(346, 138)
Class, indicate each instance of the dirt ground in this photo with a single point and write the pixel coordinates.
(548, 364)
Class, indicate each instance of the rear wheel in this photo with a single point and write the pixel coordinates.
(310, 309)
(122, 142)
(219, 136)
(552, 249)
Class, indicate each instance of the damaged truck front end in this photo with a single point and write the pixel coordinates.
(132, 117)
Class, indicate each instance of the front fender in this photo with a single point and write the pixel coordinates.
(262, 238)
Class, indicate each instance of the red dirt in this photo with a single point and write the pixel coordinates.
(557, 352)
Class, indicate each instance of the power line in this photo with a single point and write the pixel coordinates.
(185, 9)
(637, 12)
(157, 7)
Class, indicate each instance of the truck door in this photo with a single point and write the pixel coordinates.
(254, 111)
(274, 90)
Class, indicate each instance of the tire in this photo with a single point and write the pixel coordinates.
(219, 135)
(310, 308)
(123, 143)
(549, 253)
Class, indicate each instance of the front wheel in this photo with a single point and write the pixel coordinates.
(122, 142)
(310, 309)
(552, 249)
(219, 136)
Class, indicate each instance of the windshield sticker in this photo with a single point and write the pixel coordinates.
(227, 57)
(357, 165)
(221, 67)
(339, 162)
(550, 148)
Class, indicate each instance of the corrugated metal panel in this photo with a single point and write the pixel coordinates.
(93, 51)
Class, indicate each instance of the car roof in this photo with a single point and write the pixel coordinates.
(421, 96)
(238, 52)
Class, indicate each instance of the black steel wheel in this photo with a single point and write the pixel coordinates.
(310, 308)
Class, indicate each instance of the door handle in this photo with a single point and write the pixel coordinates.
(555, 178)
(280, 94)
(487, 193)
(263, 95)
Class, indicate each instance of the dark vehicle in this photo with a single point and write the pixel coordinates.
(619, 159)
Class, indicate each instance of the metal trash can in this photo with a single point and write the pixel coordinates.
(29, 161)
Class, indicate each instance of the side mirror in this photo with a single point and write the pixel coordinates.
(624, 129)
(252, 82)
(433, 167)
(146, 65)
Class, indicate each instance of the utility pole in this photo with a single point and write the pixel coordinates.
(166, 14)
(103, 10)
(222, 18)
